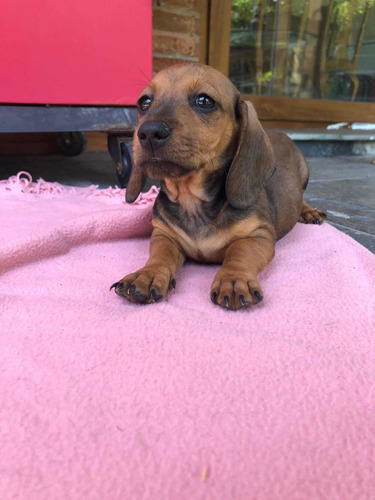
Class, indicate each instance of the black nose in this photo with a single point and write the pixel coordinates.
(154, 134)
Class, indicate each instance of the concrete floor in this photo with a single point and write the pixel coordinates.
(343, 186)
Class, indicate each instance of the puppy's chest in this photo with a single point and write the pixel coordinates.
(199, 238)
(204, 230)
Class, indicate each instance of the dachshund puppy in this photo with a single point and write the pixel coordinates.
(229, 190)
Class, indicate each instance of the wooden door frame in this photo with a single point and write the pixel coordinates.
(285, 112)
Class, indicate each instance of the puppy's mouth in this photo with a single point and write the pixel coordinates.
(158, 168)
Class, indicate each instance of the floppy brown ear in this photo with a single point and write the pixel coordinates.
(253, 162)
(136, 182)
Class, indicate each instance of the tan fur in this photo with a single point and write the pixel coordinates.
(211, 248)
(187, 191)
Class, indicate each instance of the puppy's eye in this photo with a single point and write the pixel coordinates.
(205, 102)
(144, 103)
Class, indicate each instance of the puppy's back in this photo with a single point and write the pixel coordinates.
(289, 157)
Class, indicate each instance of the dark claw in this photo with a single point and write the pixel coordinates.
(119, 288)
(173, 283)
(155, 296)
(139, 296)
(131, 289)
(214, 297)
(317, 221)
(259, 296)
(225, 302)
(243, 302)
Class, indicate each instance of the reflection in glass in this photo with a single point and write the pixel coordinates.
(322, 49)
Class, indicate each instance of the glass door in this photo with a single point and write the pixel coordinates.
(314, 55)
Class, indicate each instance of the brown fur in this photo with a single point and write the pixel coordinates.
(229, 189)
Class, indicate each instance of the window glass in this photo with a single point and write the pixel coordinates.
(315, 49)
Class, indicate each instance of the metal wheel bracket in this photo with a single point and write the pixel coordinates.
(120, 147)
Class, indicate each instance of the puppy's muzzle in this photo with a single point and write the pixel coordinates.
(153, 134)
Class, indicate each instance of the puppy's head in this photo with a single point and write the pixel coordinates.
(191, 117)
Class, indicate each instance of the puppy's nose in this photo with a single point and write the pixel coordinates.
(154, 134)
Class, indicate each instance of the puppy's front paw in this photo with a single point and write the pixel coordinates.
(145, 286)
(234, 292)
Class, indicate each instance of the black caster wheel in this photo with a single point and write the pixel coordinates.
(71, 143)
(120, 148)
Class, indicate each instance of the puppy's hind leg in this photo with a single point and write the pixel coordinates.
(310, 215)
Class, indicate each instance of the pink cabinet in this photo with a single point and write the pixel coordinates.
(82, 52)
(71, 66)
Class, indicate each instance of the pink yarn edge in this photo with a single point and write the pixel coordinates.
(22, 183)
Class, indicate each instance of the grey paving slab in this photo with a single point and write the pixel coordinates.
(345, 187)
(341, 168)
(94, 167)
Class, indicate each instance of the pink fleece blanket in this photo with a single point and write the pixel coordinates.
(102, 399)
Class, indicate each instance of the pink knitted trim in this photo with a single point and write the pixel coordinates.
(22, 183)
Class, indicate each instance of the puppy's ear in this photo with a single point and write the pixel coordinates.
(136, 182)
(253, 163)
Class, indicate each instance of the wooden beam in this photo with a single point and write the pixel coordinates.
(219, 34)
(291, 125)
(312, 110)
(204, 16)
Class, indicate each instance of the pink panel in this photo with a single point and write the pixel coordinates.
(75, 51)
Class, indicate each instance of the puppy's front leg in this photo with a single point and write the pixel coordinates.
(152, 282)
(236, 285)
